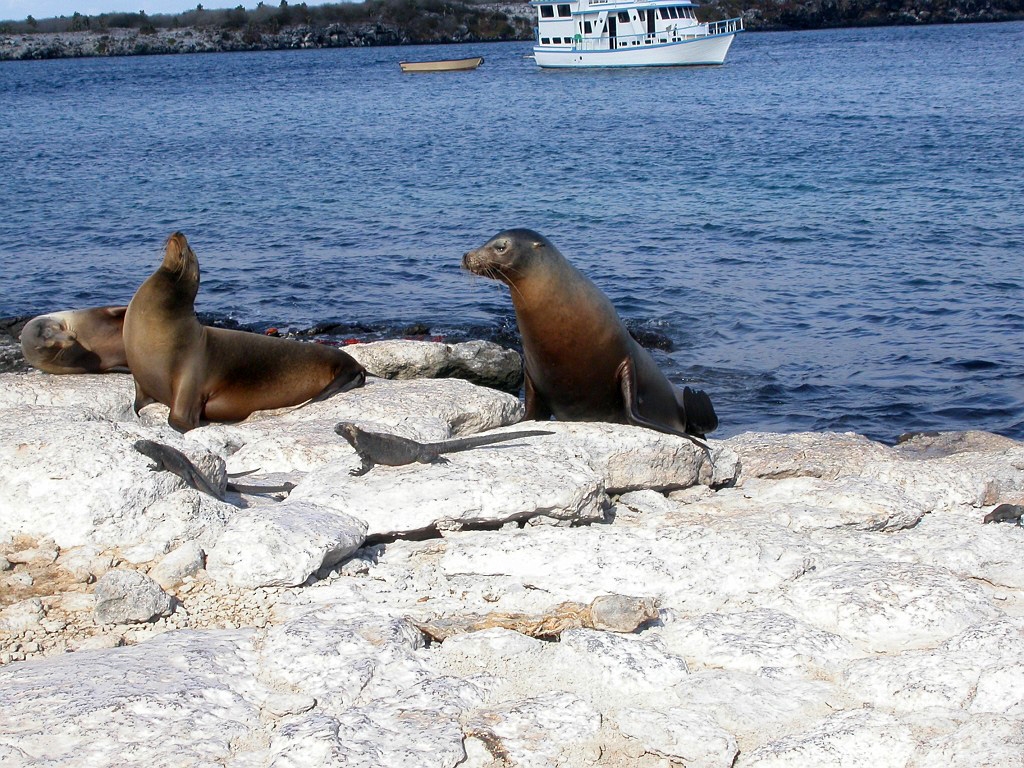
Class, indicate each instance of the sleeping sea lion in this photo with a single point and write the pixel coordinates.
(581, 363)
(76, 341)
(214, 373)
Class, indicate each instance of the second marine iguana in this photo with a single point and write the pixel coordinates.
(395, 451)
(176, 462)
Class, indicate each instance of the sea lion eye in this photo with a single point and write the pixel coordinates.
(501, 246)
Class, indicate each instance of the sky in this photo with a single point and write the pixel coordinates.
(18, 10)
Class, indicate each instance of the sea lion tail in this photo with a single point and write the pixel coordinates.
(700, 413)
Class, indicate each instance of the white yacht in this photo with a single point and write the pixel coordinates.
(628, 33)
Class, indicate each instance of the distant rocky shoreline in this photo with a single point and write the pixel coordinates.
(132, 42)
(761, 16)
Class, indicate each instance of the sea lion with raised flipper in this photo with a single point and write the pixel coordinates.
(214, 373)
(581, 363)
(76, 341)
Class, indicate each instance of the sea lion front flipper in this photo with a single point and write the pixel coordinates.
(626, 374)
(536, 408)
(186, 404)
(141, 399)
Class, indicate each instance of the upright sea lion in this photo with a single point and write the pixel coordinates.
(396, 451)
(581, 363)
(214, 373)
(76, 341)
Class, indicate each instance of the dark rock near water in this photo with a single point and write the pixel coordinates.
(11, 359)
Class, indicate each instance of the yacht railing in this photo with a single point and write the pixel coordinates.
(725, 26)
(681, 34)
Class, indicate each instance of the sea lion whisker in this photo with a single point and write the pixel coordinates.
(507, 279)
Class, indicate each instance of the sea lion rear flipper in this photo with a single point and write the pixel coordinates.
(343, 382)
(627, 383)
(698, 413)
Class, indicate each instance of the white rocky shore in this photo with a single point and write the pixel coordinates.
(819, 599)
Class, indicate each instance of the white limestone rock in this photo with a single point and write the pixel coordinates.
(106, 396)
(195, 689)
(184, 561)
(795, 503)
(989, 641)
(757, 708)
(937, 445)
(497, 642)
(480, 362)
(22, 616)
(361, 738)
(914, 681)
(887, 606)
(622, 663)
(464, 407)
(857, 738)
(984, 740)
(485, 486)
(825, 455)
(282, 544)
(303, 439)
(630, 458)
(476, 487)
(977, 671)
(542, 731)
(128, 597)
(680, 734)
(966, 469)
(751, 640)
(82, 482)
(958, 541)
(690, 568)
(183, 516)
(37, 556)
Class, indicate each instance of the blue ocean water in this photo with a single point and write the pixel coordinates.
(829, 228)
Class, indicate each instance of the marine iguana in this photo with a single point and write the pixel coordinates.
(174, 461)
(1005, 513)
(395, 451)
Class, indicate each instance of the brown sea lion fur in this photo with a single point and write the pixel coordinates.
(76, 341)
(581, 362)
(213, 373)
